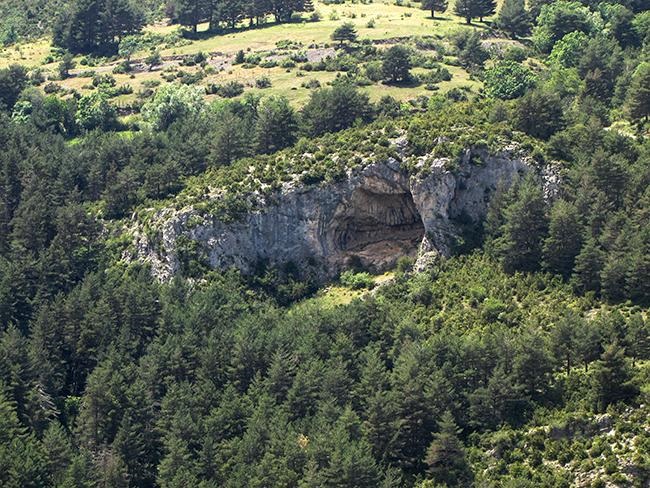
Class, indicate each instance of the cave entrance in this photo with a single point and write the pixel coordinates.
(375, 229)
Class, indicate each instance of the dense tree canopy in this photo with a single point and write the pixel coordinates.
(491, 367)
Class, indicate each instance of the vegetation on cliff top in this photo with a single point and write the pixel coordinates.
(522, 362)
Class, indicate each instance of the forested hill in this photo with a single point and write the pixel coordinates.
(522, 359)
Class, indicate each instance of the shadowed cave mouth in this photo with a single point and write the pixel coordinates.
(375, 229)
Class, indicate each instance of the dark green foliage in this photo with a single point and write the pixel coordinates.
(445, 459)
(467, 9)
(471, 54)
(564, 240)
(484, 8)
(12, 81)
(334, 109)
(639, 93)
(97, 26)
(434, 6)
(112, 379)
(66, 64)
(611, 379)
(276, 126)
(539, 114)
(513, 18)
(588, 265)
(519, 245)
(345, 32)
(397, 64)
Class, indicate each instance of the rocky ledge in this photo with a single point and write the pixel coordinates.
(375, 215)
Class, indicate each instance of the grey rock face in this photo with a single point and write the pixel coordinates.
(376, 215)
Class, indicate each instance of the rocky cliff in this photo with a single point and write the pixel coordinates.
(374, 215)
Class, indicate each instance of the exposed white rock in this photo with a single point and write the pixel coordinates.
(375, 215)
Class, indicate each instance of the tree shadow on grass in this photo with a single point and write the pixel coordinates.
(412, 82)
(209, 34)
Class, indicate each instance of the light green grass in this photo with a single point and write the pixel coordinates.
(29, 54)
(336, 295)
(391, 21)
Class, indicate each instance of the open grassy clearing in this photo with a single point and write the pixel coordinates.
(382, 22)
(391, 21)
(338, 294)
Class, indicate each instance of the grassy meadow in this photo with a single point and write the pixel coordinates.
(380, 23)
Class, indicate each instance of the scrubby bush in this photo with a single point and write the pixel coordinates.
(357, 281)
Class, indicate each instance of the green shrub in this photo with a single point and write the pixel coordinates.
(357, 281)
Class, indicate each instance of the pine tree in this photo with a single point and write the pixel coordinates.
(563, 339)
(501, 400)
(611, 379)
(520, 246)
(532, 364)
(614, 274)
(351, 462)
(485, 8)
(466, 9)
(636, 280)
(12, 82)
(58, 450)
(192, 12)
(97, 26)
(473, 54)
(231, 139)
(513, 18)
(396, 64)
(10, 189)
(639, 93)
(276, 125)
(378, 426)
(345, 32)
(637, 338)
(22, 460)
(610, 175)
(434, 6)
(446, 458)
(564, 239)
(588, 265)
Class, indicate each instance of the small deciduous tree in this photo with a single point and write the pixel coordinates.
(95, 111)
(558, 19)
(171, 103)
(507, 80)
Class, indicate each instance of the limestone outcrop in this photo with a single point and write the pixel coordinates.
(376, 214)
